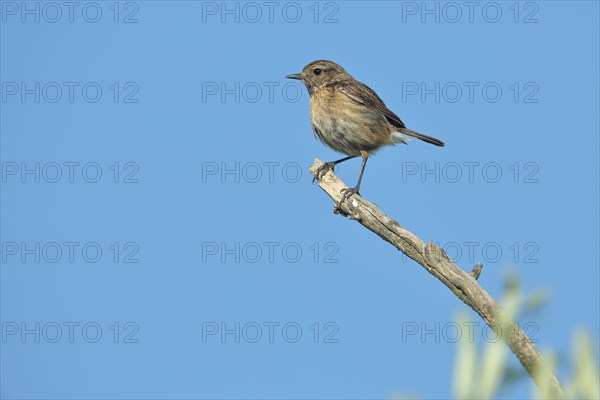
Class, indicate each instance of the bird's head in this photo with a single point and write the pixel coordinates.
(320, 73)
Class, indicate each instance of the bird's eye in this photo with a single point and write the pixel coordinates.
(317, 71)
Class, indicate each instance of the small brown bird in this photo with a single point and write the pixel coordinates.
(349, 117)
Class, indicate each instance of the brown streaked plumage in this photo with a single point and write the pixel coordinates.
(349, 117)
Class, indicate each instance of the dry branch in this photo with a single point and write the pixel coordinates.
(463, 284)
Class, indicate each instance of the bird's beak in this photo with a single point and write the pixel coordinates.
(295, 76)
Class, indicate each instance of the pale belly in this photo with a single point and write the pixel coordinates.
(348, 127)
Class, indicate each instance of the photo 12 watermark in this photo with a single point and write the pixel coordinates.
(270, 12)
(56, 172)
(489, 92)
(471, 12)
(251, 172)
(470, 172)
(270, 332)
(69, 12)
(269, 252)
(29, 332)
(452, 332)
(70, 252)
(526, 252)
(89, 92)
(250, 92)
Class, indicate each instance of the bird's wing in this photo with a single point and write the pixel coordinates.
(363, 94)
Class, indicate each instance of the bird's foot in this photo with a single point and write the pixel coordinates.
(346, 193)
(322, 170)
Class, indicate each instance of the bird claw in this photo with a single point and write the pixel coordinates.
(322, 170)
(346, 193)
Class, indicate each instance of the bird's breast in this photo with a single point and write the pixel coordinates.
(345, 125)
(322, 106)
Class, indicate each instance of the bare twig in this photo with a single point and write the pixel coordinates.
(463, 284)
(476, 271)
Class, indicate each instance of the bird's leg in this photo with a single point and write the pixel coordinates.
(349, 192)
(329, 165)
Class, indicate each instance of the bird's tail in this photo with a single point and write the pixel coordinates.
(422, 137)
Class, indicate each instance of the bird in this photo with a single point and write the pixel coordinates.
(350, 118)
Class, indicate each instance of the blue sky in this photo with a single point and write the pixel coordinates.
(160, 234)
